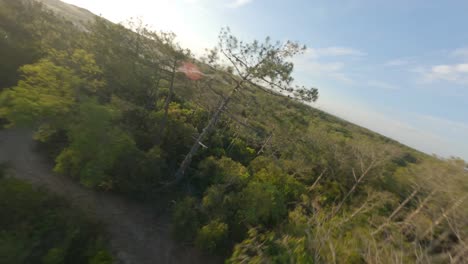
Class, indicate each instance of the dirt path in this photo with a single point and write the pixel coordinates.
(137, 235)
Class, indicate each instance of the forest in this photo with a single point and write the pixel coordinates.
(249, 170)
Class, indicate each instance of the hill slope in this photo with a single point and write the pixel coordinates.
(268, 178)
(79, 16)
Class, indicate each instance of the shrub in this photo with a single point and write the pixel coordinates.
(212, 237)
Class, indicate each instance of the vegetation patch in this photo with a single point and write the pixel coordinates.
(37, 227)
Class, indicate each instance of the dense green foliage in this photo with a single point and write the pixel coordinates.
(37, 227)
(276, 181)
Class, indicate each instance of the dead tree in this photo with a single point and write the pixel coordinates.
(461, 256)
(396, 211)
(317, 180)
(265, 144)
(420, 207)
(357, 182)
(256, 64)
(444, 215)
(368, 159)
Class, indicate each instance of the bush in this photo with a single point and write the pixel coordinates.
(3, 169)
(212, 237)
(185, 219)
(221, 171)
(262, 203)
(36, 227)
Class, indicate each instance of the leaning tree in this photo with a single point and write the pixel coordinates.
(262, 65)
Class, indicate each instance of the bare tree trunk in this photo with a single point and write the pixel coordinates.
(229, 148)
(396, 211)
(358, 181)
(407, 200)
(434, 243)
(461, 241)
(264, 144)
(444, 215)
(420, 207)
(244, 77)
(359, 210)
(317, 180)
(166, 104)
(461, 256)
(152, 93)
(208, 128)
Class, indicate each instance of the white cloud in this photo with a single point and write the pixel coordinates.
(446, 124)
(309, 62)
(457, 73)
(398, 62)
(308, 65)
(316, 61)
(342, 77)
(451, 71)
(442, 69)
(463, 68)
(382, 85)
(339, 51)
(454, 133)
(381, 123)
(239, 3)
(320, 67)
(423, 132)
(460, 53)
(334, 51)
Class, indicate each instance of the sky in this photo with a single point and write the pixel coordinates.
(399, 67)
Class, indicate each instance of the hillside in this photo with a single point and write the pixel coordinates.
(252, 175)
(77, 15)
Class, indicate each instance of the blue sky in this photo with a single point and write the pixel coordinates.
(397, 67)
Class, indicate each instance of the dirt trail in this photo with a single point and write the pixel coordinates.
(137, 235)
